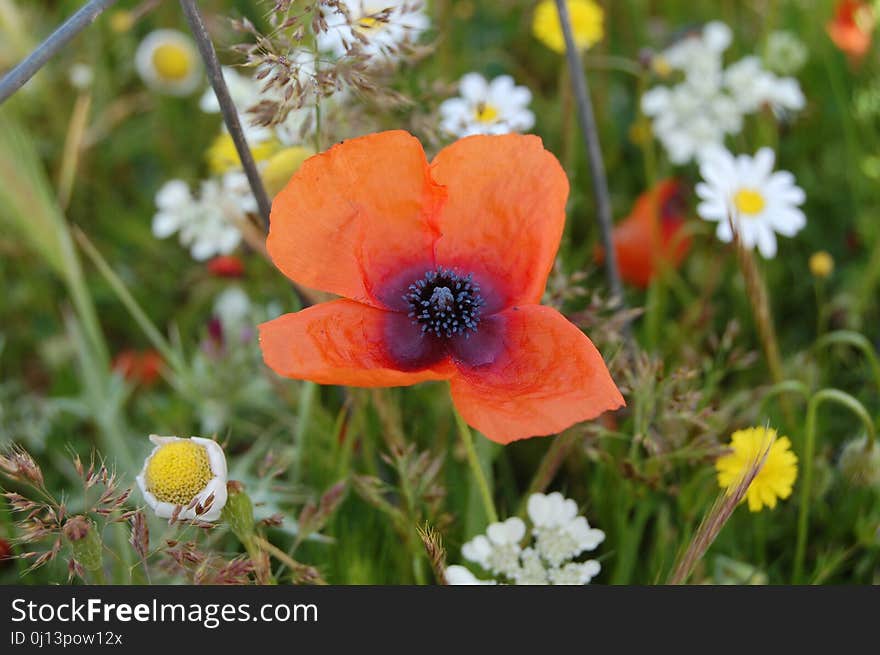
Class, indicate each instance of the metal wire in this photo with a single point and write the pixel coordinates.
(227, 108)
(28, 67)
(587, 122)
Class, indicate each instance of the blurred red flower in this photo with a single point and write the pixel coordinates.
(226, 266)
(651, 235)
(441, 267)
(852, 27)
(143, 368)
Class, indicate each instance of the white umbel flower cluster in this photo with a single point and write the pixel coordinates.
(711, 101)
(207, 224)
(558, 536)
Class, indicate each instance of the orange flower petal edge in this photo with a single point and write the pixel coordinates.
(442, 266)
(547, 376)
(651, 235)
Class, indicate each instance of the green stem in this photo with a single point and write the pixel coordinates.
(847, 401)
(304, 417)
(786, 386)
(467, 439)
(858, 341)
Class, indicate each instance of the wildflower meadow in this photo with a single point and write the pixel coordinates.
(440, 292)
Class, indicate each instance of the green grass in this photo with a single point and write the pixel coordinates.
(69, 304)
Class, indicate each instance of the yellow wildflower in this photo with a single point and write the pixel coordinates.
(776, 478)
(586, 24)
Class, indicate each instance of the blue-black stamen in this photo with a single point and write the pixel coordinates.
(445, 303)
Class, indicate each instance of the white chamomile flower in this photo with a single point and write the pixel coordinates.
(746, 191)
(186, 473)
(496, 107)
(459, 575)
(207, 225)
(168, 61)
(379, 28)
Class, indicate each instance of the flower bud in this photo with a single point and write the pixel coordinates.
(859, 462)
(85, 542)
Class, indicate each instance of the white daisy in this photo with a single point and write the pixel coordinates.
(495, 107)
(184, 473)
(169, 62)
(745, 191)
(380, 28)
(207, 225)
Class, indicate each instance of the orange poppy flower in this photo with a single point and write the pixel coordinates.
(226, 266)
(651, 234)
(441, 267)
(851, 27)
(142, 368)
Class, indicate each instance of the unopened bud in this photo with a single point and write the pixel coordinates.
(859, 463)
(85, 542)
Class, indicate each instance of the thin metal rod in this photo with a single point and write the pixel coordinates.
(594, 151)
(28, 67)
(230, 113)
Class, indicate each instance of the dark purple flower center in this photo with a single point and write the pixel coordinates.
(445, 303)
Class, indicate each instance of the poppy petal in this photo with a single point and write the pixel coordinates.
(546, 376)
(504, 214)
(340, 342)
(350, 219)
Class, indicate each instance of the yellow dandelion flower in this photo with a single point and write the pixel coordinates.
(586, 24)
(776, 478)
(222, 156)
(278, 169)
(821, 264)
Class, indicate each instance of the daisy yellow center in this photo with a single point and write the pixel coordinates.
(172, 61)
(178, 471)
(485, 113)
(749, 201)
(776, 477)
